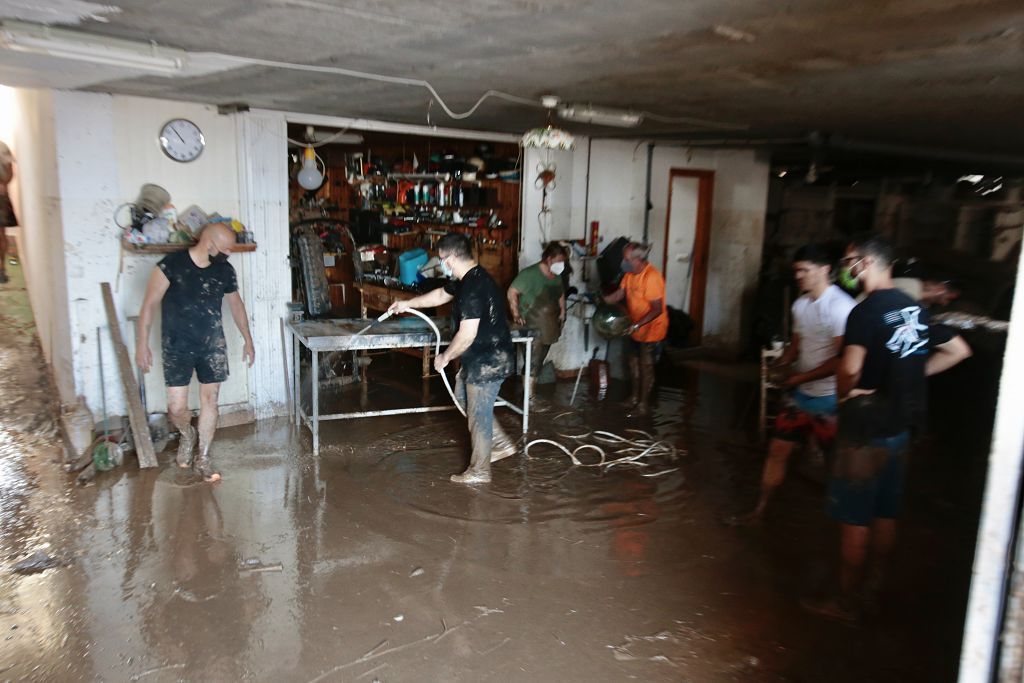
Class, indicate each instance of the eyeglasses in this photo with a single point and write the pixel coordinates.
(851, 260)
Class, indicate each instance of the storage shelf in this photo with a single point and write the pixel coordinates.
(392, 177)
(171, 248)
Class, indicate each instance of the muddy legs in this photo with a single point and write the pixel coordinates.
(641, 379)
(480, 416)
(208, 414)
(180, 416)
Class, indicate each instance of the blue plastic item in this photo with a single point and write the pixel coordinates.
(409, 264)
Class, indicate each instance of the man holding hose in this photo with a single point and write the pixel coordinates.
(483, 342)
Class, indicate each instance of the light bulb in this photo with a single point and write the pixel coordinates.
(310, 176)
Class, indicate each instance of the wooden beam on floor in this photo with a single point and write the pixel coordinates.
(136, 414)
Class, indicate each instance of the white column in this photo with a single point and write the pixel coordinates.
(263, 198)
(999, 509)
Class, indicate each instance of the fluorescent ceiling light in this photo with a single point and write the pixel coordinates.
(585, 113)
(323, 137)
(82, 47)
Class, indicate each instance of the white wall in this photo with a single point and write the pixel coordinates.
(107, 148)
(618, 171)
(617, 188)
(565, 222)
(262, 163)
(556, 225)
(27, 118)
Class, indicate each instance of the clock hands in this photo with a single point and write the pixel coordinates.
(177, 133)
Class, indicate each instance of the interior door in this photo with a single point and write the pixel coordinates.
(680, 234)
(687, 241)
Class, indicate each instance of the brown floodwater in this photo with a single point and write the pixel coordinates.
(368, 564)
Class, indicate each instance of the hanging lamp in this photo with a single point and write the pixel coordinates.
(548, 137)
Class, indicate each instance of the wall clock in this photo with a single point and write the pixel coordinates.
(181, 140)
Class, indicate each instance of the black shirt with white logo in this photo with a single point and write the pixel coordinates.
(477, 296)
(191, 309)
(897, 335)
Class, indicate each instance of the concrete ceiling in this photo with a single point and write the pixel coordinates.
(946, 74)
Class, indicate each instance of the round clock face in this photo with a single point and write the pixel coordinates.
(181, 140)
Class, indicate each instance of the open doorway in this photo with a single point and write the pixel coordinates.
(687, 237)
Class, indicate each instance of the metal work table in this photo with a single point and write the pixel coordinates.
(329, 336)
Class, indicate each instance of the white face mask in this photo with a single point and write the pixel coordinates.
(446, 269)
(558, 268)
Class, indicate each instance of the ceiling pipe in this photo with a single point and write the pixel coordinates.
(822, 141)
(936, 153)
(717, 142)
(647, 189)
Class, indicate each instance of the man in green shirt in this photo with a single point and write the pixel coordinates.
(536, 299)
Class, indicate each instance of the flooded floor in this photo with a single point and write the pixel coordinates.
(367, 564)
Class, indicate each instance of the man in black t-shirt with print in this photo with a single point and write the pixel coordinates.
(889, 348)
(484, 343)
(191, 287)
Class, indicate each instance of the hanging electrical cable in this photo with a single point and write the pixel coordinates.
(397, 80)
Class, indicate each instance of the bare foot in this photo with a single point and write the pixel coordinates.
(205, 467)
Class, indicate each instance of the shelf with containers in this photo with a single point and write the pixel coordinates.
(455, 185)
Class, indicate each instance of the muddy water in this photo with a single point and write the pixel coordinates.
(366, 563)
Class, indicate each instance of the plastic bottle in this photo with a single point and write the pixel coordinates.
(79, 425)
(106, 456)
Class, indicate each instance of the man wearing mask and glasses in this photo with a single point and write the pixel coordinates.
(889, 348)
(536, 299)
(483, 343)
(191, 287)
(643, 289)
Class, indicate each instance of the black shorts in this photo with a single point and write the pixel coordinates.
(210, 365)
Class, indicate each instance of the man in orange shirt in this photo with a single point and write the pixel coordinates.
(643, 288)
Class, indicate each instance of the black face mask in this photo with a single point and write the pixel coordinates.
(219, 257)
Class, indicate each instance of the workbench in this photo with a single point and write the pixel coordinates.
(330, 336)
(374, 297)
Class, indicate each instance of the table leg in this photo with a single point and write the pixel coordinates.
(426, 361)
(296, 376)
(526, 385)
(315, 381)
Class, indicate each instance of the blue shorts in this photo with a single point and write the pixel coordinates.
(867, 481)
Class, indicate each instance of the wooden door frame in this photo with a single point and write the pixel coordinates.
(701, 243)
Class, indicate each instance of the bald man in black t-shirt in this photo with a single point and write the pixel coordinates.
(192, 286)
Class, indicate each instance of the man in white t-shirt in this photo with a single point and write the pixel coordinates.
(808, 368)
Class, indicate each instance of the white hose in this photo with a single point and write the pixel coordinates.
(632, 452)
(437, 352)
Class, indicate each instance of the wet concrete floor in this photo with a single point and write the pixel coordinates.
(367, 564)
